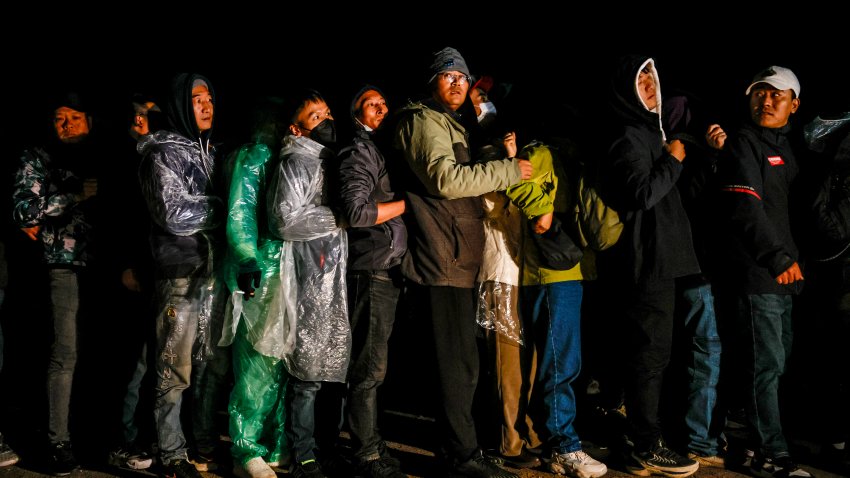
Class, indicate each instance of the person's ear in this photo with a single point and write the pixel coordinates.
(295, 130)
(795, 104)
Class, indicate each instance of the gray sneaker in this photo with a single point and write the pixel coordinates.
(578, 464)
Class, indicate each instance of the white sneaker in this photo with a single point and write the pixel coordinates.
(577, 463)
(255, 468)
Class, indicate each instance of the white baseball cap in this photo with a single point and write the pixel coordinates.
(777, 77)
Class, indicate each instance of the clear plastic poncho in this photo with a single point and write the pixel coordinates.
(176, 179)
(498, 277)
(820, 128)
(317, 335)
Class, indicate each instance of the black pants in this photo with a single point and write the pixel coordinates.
(452, 314)
(648, 334)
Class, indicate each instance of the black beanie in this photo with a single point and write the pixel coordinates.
(69, 99)
(447, 59)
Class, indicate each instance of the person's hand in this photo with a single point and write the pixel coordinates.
(525, 168)
(248, 282)
(542, 223)
(676, 149)
(128, 279)
(791, 275)
(31, 232)
(510, 143)
(715, 136)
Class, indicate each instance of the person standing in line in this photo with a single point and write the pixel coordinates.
(252, 272)
(314, 324)
(761, 262)
(639, 175)
(377, 240)
(446, 235)
(133, 263)
(8, 457)
(178, 174)
(54, 196)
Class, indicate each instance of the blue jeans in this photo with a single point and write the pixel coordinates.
(301, 419)
(703, 370)
(177, 333)
(764, 326)
(555, 311)
(373, 297)
(130, 430)
(65, 306)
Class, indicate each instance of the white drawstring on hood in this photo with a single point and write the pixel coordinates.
(654, 73)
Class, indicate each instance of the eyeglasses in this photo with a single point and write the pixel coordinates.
(455, 78)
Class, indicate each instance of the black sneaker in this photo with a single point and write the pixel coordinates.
(380, 468)
(61, 461)
(661, 460)
(307, 469)
(783, 467)
(386, 457)
(480, 466)
(180, 469)
(523, 460)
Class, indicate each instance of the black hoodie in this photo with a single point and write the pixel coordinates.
(639, 181)
(177, 175)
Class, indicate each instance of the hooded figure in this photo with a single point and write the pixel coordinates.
(640, 177)
(252, 272)
(177, 175)
(177, 180)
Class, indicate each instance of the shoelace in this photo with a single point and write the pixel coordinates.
(579, 456)
(666, 455)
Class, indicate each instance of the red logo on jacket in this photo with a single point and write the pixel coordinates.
(775, 160)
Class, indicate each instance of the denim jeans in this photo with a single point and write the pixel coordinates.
(65, 306)
(301, 420)
(555, 311)
(131, 397)
(176, 332)
(704, 428)
(764, 325)
(372, 300)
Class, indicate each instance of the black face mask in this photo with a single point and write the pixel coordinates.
(324, 133)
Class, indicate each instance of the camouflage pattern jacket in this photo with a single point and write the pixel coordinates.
(46, 198)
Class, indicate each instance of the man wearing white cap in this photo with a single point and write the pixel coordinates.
(763, 270)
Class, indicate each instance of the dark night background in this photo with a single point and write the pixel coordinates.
(552, 56)
(555, 59)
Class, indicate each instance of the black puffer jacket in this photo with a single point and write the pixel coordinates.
(639, 181)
